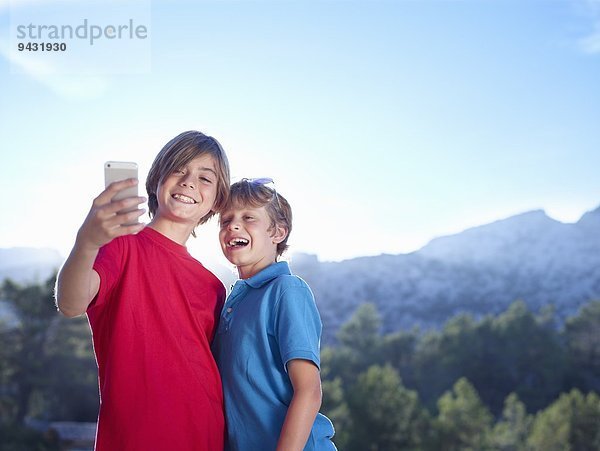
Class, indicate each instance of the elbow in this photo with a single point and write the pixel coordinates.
(68, 304)
(311, 397)
(70, 313)
(66, 310)
(315, 396)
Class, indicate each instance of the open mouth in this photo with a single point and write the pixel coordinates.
(184, 199)
(238, 242)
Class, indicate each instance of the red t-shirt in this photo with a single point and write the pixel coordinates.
(152, 322)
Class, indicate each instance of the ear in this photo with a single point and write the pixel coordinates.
(279, 234)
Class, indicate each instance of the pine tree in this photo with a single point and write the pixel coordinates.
(463, 422)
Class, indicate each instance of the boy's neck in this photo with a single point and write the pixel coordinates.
(245, 272)
(179, 233)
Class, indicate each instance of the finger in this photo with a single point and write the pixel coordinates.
(109, 192)
(120, 219)
(130, 216)
(129, 229)
(124, 204)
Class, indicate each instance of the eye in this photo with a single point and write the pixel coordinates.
(225, 222)
(205, 179)
(178, 171)
(248, 217)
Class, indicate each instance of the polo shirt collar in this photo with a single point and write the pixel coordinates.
(269, 273)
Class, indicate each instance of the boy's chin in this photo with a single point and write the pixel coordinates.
(235, 260)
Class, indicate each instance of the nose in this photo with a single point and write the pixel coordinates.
(234, 225)
(188, 181)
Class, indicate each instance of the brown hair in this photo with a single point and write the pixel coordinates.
(180, 151)
(254, 193)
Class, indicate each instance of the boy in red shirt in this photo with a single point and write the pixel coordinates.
(152, 307)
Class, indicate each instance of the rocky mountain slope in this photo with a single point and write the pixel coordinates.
(481, 270)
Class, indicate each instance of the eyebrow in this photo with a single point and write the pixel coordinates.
(225, 218)
(208, 169)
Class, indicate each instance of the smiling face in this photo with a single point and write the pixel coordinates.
(188, 194)
(249, 239)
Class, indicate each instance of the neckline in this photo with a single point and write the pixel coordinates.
(164, 241)
(267, 274)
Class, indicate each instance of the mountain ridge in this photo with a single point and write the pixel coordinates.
(480, 271)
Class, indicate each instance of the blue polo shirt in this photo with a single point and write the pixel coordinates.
(268, 320)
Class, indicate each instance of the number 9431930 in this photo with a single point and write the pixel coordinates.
(42, 46)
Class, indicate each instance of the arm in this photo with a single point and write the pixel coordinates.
(304, 407)
(77, 282)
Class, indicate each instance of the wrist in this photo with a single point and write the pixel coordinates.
(85, 246)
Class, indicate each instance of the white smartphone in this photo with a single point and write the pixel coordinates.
(121, 170)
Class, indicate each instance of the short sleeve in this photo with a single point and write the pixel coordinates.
(108, 265)
(298, 325)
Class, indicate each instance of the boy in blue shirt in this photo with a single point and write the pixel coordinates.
(267, 343)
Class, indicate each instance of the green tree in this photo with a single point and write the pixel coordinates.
(25, 366)
(583, 343)
(334, 406)
(359, 345)
(399, 349)
(385, 415)
(47, 369)
(512, 352)
(570, 423)
(443, 357)
(463, 422)
(511, 432)
(361, 332)
(531, 360)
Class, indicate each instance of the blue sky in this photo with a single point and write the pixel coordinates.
(384, 123)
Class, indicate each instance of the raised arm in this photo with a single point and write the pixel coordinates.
(77, 282)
